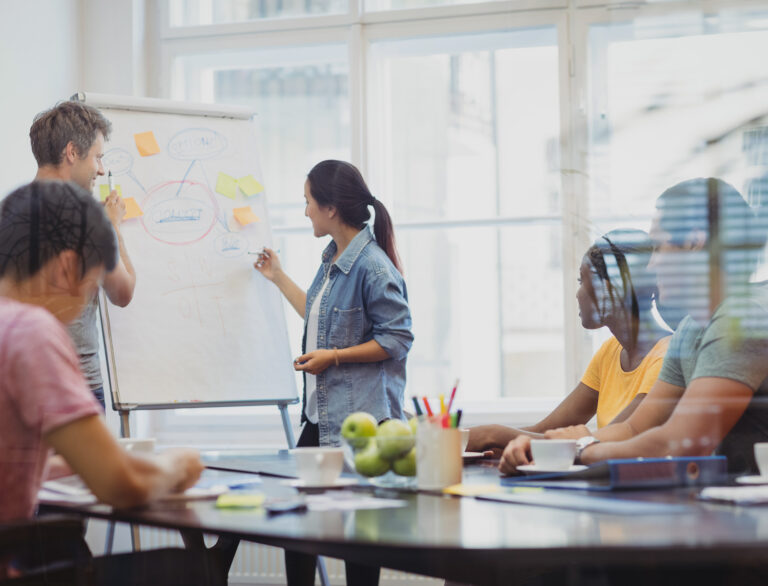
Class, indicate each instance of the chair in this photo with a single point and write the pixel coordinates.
(46, 550)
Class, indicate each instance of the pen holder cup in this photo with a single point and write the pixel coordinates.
(438, 457)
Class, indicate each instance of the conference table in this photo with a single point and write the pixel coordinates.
(470, 539)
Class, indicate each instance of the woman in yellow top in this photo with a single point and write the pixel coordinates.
(616, 291)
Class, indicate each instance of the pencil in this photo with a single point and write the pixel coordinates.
(427, 407)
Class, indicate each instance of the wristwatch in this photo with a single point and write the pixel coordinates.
(582, 443)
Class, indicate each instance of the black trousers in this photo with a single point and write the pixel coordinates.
(300, 567)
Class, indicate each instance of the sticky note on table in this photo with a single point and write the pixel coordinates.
(245, 215)
(471, 489)
(234, 500)
(249, 186)
(146, 143)
(104, 191)
(226, 185)
(132, 209)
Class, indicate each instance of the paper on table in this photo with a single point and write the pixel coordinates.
(245, 215)
(226, 185)
(132, 209)
(146, 143)
(104, 191)
(739, 495)
(71, 489)
(343, 500)
(249, 186)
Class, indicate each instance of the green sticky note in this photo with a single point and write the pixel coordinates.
(226, 185)
(236, 500)
(249, 186)
(104, 191)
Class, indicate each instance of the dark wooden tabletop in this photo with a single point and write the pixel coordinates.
(476, 540)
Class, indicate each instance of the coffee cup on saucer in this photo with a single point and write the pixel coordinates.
(318, 466)
(553, 454)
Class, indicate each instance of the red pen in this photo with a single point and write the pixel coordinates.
(453, 395)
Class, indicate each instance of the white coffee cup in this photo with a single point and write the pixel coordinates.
(553, 454)
(761, 457)
(464, 439)
(144, 445)
(318, 466)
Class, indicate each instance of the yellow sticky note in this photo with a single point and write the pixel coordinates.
(132, 209)
(245, 215)
(226, 185)
(249, 186)
(471, 489)
(104, 191)
(233, 500)
(146, 143)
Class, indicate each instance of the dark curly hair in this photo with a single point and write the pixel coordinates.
(41, 220)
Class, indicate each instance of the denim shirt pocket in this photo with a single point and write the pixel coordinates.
(346, 327)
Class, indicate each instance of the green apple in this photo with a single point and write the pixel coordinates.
(369, 462)
(394, 438)
(406, 466)
(357, 428)
(414, 423)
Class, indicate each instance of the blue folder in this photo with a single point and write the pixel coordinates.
(633, 473)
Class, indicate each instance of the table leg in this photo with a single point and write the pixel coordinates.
(221, 554)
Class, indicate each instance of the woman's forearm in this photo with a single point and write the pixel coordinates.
(295, 295)
(370, 351)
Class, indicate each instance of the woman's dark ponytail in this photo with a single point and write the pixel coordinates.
(384, 232)
(341, 185)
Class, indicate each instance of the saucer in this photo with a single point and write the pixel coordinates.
(752, 480)
(299, 483)
(534, 469)
(471, 455)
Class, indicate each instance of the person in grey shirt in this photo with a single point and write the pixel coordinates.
(68, 145)
(712, 391)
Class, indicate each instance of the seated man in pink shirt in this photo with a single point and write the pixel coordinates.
(56, 245)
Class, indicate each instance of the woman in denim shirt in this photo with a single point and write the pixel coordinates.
(357, 325)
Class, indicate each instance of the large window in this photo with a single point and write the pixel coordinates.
(503, 136)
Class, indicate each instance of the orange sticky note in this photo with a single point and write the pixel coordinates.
(146, 143)
(104, 191)
(132, 209)
(245, 215)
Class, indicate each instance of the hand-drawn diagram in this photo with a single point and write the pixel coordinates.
(185, 211)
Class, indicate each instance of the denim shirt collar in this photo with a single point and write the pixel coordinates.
(351, 252)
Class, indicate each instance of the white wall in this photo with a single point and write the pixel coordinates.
(39, 65)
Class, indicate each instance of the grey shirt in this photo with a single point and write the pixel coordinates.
(732, 345)
(85, 336)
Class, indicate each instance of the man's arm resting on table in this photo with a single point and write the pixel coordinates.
(706, 412)
(115, 476)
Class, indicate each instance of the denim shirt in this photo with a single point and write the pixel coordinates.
(365, 300)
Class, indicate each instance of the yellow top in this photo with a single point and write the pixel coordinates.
(618, 388)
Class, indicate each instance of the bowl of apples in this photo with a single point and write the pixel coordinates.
(385, 453)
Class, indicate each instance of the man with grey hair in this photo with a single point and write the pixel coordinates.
(68, 144)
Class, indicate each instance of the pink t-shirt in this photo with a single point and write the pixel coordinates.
(41, 388)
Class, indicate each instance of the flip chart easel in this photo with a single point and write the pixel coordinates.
(203, 328)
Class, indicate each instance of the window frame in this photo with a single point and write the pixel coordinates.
(358, 28)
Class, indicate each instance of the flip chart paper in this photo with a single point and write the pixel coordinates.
(226, 185)
(249, 186)
(146, 143)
